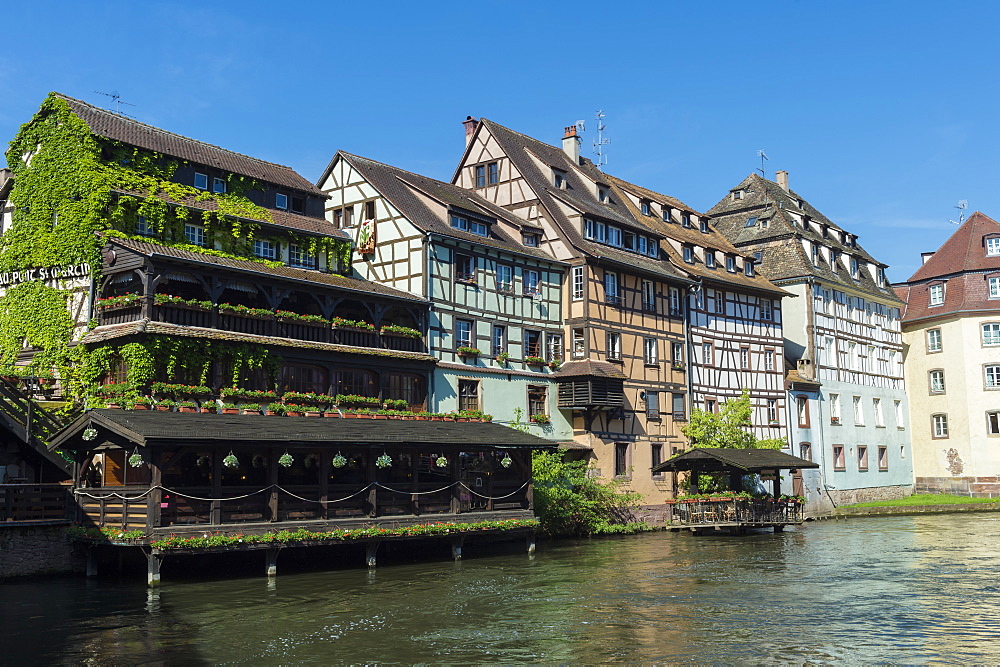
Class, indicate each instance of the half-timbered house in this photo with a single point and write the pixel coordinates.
(845, 325)
(496, 323)
(625, 396)
(733, 312)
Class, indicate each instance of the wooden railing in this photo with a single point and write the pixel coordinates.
(189, 316)
(36, 502)
(735, 511)
(30, 423)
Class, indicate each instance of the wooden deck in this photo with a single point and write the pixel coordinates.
(734, 515)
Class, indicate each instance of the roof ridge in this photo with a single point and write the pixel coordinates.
(168, 132)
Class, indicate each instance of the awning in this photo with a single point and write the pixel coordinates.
(719, 459)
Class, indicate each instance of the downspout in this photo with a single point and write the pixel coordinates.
(427, 294)
(693, 289)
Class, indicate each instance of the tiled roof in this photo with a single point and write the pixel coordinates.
(151, 427)
(962, 266)
(712, 239)
(717, 458)
(523, 151)
(965, 250)
(278, 217)
(114, 126)
(248, 266)
(588, 368)
(115, 331)
(783, 255)
(407, 192)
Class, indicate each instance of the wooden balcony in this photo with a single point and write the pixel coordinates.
(36, 503)
(271, 326)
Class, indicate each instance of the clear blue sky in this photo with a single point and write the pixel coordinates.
(884, 113)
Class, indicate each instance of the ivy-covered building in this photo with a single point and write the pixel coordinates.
(144, 268)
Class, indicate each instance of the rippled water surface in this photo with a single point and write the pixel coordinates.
(900, 590)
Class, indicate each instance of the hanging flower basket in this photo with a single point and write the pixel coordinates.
(231, 461)
(506, 461)
(383, 461)
(339, 461)
(442, 462)
(89, 434)
(135, 460)
(286, 460)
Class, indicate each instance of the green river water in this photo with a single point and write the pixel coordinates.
(881, 590)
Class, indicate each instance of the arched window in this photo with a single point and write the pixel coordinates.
(356, 382)
(303, 378)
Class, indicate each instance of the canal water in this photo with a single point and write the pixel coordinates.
(888, 590)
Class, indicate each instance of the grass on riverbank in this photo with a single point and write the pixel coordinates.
(922, 499)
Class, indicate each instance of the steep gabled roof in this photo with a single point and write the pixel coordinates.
(116, 127)
(523, 151)
(780, 242)
(407, 192)
(713, 240)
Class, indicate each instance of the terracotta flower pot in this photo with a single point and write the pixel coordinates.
(329, 414)
(187, 408)
(294, 413)
(271, 413)
(252, 412)
(140, 406)
(313, 413)
(421, 418)
(163, 408)
(208, 411)
(380, 416)
(230, 411)
(113, 406)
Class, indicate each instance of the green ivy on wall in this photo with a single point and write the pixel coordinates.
(71, 186)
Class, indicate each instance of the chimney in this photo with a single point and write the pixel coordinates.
(470, 124)
(924, 256)
(782, 178)
(804, 365)
(571, 144)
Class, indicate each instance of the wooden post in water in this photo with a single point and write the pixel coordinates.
(456, 547)
(271, 556)
(370, 550)
(531, 543)
(153, 569)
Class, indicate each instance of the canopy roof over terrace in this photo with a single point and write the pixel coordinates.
(719, 459)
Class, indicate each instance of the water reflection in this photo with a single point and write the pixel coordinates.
(905, 590)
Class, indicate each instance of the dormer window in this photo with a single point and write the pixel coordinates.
(530, 240)
(993, 245)
(219, 185)
(826, 232)
(730, 264)
(935, 295)
(614, 236)
(737, 194)
(815, 254)
(653, 248)
(748, 268)
(710, 259)
(201, 181)
(666, 214)
(854, 268)
(689, 254)
(602, 194)
(281, 201)
(703, 225)
(881, 277)
(195, 234)
(466, 225)
(265, 249)
(559, 178)
(298, 205)
(644, 205)
(686, 220)
(301, 257)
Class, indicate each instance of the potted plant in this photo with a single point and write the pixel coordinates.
(275, 409)
(397, 330)
(534, 361)
(187, 406)
(166, 405)
(230, 409)
(294, 410)
(142, 403)
(250, 408)
(209, 407)
(555, 364)
(466, 351)
(502, 358)
(540, 419)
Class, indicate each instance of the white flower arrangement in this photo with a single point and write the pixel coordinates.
(89, 433)
(135, 460)
(442, 462)
(339, 461)
(286, 460)
(231, 461)
(383, 461)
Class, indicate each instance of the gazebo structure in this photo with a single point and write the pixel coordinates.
(733, 511)
(171, 475)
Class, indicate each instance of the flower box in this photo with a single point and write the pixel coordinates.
(252, 412)
(294, 413)
(534, 361)
(230, 411)
(187, 408)
(164, 408)
(313, 413)
(208, 409)
(331, 413)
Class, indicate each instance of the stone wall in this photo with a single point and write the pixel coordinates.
(869, 494)
(41, 549)
(983, 487)
(652, 514)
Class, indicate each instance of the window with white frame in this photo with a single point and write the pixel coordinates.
(579, 343)
(897, 407)
(766, 312)
(991, 334)
(935, 295)
(768, 360)
(614, 236)
(933, 340)
(463, 333)
(710, 259)
(649, 351)
(218, 185)
(195, 234)
(648, 296)
(505, 279)
(748, 268)
(614, 345)
(995, 287)
(936, 380)
(772, 411)
(859, 413)
(142, 227)
(939, 426)
(706, 354)
(467, 225)
(644, 207)
(577, 283)
(877, 409)
(688, 254)
(675, 301)
(834, 408)
(854, 268)
(992, 374)
(730, 264)
(200, 180)
(499, 340)
(677, 353)
(553, 347)
(265, 249)
(993, 245)
(530, 239)
(531, 286)
(993, 422)
(745, 358)
(281, 201)
(611, 288)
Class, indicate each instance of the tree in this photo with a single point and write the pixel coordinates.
(731, 427)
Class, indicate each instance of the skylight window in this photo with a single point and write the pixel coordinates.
(751, 221)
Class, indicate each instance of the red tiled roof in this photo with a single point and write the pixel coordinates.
(965, 250)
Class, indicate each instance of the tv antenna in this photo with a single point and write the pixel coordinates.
(117, 99)
(600, 142)
(962, 205)
(763, 156)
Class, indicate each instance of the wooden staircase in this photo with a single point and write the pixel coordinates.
(30, 423)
